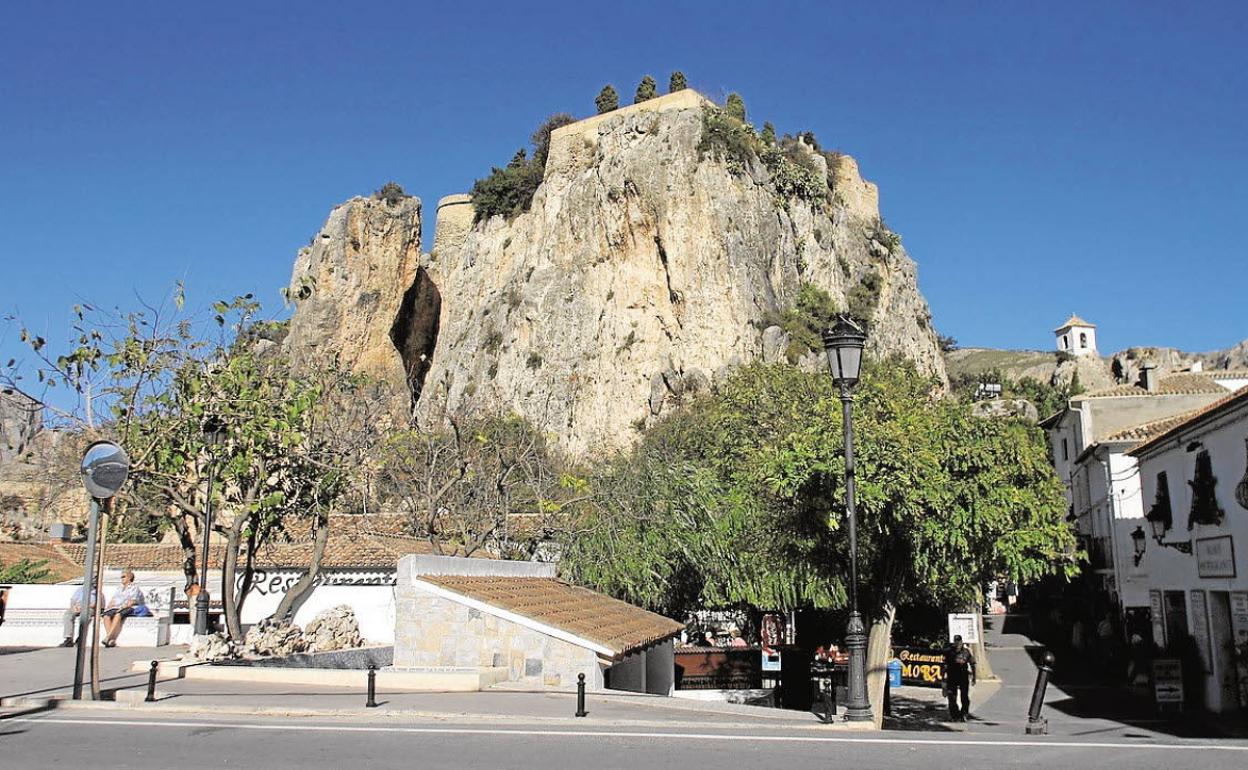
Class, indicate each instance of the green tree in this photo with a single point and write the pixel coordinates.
(737, 499)
(735, 106)
(25, 571)
(647, 89)
(677, 82)
(769, 133)
(152, 379)
(607, 99)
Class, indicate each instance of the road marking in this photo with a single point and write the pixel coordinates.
(650, 735)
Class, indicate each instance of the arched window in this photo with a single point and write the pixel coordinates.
(1063, 342)
(1083, 339)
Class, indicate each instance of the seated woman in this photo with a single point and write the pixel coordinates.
(126, 601)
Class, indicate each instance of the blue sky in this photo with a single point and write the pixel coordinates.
(1037, 158)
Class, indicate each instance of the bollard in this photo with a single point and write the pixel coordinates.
(151, 683)
(829, 700)
(580, 696)
(1036, 725)
(372, 687)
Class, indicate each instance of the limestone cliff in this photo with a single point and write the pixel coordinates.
(641, 273)
(643, 270)
(349, 283)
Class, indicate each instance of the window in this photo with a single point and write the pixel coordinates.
(1063, 342)
(1065, 450)
(1083, 339)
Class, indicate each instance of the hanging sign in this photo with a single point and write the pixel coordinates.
(1239, 617)
(1157, 612)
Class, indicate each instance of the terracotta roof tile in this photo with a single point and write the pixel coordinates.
(1147, 430)
(1181, 384)
(1231, 401)
(611, 623)
(1074, 320)
(60, 567)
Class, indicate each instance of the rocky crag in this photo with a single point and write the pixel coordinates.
(643, 270)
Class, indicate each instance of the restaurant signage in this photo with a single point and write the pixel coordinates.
(1215, 557)
(920, 666)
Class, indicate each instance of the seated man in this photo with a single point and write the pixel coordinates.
(128, 600)
(70, 617)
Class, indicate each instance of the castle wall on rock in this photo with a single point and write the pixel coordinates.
(454, 220)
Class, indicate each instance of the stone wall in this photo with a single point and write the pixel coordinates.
(436, 631)
(453, 221)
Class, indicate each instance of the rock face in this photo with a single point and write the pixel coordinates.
(642, 273)
(212, 647)
(269, 637)
(1006, 407)
(333, 629)
(349, 287)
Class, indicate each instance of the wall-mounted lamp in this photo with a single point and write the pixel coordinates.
(1139, 543)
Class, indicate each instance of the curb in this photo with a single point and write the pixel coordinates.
(163, 707)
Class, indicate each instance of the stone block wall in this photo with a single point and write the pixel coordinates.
(436, 631)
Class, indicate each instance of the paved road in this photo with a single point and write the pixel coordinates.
(146, 743)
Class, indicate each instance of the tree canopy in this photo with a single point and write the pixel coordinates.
(737, 499)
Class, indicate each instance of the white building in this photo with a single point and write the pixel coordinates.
(1192, 546)
(1076, 337)
(1089, 441)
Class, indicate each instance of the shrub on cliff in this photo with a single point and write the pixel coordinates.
(391, 193)
(509, 191)
(607, 99)
(647, 89)
(677, 82)
(813, 311)
(735, 106)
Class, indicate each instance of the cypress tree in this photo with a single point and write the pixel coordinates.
(607, 99)
(677, 82)
(646, 89)
(735, 106)
(769, 133)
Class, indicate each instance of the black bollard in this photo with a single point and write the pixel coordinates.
(1036, 725)
(151, 683)
(372, 687)
(829, 700)
(580, 696)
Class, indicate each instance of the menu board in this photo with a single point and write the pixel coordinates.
(1200, 629)
(965, 625)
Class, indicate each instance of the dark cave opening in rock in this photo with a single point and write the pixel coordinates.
(415, 330)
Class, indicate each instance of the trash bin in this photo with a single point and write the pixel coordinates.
(894, 673)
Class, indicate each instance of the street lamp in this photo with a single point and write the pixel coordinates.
(844, 343)
(214, 436)
(1138, 539)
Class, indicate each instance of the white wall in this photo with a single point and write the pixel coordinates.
(1167, 569)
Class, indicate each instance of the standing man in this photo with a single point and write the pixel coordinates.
(959, 676)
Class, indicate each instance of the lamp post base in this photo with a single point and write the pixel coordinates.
(201, 613)
(858, 709)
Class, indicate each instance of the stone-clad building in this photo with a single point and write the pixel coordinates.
(473, 613)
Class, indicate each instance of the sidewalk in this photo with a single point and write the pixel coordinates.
(29, 677)
(1074, 705)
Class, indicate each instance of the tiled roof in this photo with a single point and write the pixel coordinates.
(60, 567)
(1074, 320)
(350, 545)
(1145, 431)
(611, 623)
(1223, 404)
(1181, 384)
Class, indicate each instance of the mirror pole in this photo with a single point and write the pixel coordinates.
(88, 593)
